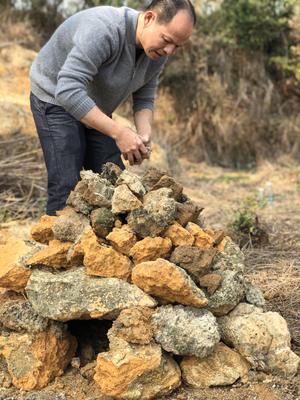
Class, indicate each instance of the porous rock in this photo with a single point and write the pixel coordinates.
(124, 200)
(69, 226)
(146, 224)
(169, 282)
(74, 295)
(211, 282)
(202, 239)
(149, 249)
(185, 330)
(133, 182)
(97, 191)
(223, 367)
(111, 172)
(229, 257)
(179, 236)
(262, 338)
(102, 221)
(151, 177)
(254, 295)
(122, 239)
(42, 231)
(160, 204)
(54, 255)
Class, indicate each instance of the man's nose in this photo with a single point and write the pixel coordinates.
(170, 49)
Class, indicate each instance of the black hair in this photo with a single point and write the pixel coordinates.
(167, 9)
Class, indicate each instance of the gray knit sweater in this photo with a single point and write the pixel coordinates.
(90, 60)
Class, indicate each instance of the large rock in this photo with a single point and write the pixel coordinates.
(136, 372)
(124, 200)
(42, 231)
(161, 205)
(262, 338)
(14, 254)
(54, 255)
(186, 330)
(69, 226)
(194, 260)
(179, 236)
(168, 282)
(133, 182)
(228, 295)
(230, 257)
(222, 368)
(74, 295)
(133, 325)
(122, 239)
(34, 360)
(149, 249)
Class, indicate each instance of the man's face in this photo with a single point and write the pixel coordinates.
(163, 39)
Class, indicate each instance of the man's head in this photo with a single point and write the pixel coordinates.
(164, 26)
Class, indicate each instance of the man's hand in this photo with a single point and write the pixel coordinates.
(131, 146)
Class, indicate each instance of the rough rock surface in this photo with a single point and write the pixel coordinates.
(74, 295)
(228, 295)
(149, 249)
(211, 282)
(42, 231)
(179, 236)
(98, 191)
(136, 372)
(34, 360)
(254, 295)
(230, 257)
(262, 338)
(69, 226)
(168, 282)
(77, 201)
(133, 325)
(124, 200)
(146, 224)
(54, 255)
(187, 212)
(151, 177)
(167, 181)
(122, 239)
(202, 239)
(102, 221)
(161, 205)
(195, 261)
(223, 367)
(111, 172)
(133, 182)
(186, 330)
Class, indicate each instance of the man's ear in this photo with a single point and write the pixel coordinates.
(149, 17)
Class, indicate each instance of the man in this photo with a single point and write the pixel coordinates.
(91, 64)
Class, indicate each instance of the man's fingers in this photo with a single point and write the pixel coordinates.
(138, 157)
(143, 149)
(130, 158)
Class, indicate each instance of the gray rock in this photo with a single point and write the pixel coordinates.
(102, 220)
(232, 258)
(133, 181)
(187, 212)
(99, 191)
(197, 262)
(254, 295)
(19, 316)
(124, 201)
(186, 330)
(69, 226)
(72, 295)
(76, 201)
(228, 295)
(161, 204)
(145, 224)
(167, 181)
(111, 172)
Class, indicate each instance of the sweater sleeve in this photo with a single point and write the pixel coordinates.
(145, 96)
(90, 50)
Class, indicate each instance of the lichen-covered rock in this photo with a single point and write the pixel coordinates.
(254, 295)
(149, 249)
(136, 372)
(167, 181)
(230, 257)
(124, 200)
(102, 221)
(179, 236)
(77, 201)
(202, 239)
(187, 212)
(101, 260)
(194, 260)
(133, 325)
(69, 226)
(74, 295)
(13, 271)
(146, 224)
(96, 191)
(111, 172)
(168, 282)
(211, 282)
(229, 294)
(262, 338)
(133, 182)
(122, 239)
(186, 330)
(161, 205)
(34, 360)
(54, 255)
(223, 367)
(42, 231)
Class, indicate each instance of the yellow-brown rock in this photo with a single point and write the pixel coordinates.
(33, 361)
(101, 260)
(76, 252)
(136, 372)
(222, 244)
(122, 239)
(149, 249)
(13, 274)
(54, 255)
(179, 236)
(165, 280)
(202, 239)
(133, 325)
(211, 282)
(221, 368)
(217, 235)
(42, 231)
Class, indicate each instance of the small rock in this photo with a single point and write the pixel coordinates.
(98, 191)
(151, 177)
(77, 201)
(42, 232)
(179, 236)
(230, 257)
(102, 221)
(161, 205)
(168, 182)
(124, 200)
(187, 212)
(149, 249)
(111, 172)
(202, 239)
(133, 182)
(54, 255)
(254, 295)
(211, 282)
(69, 226)
(146, 224)
(122, 239)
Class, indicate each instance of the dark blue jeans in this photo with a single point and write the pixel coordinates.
(68, 146)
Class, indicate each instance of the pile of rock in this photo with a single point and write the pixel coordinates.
(131, 250)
